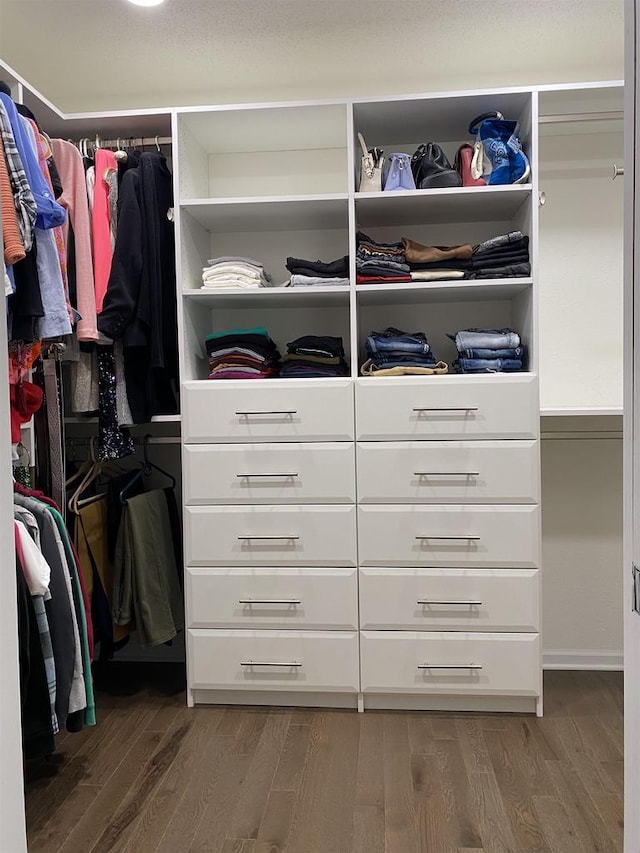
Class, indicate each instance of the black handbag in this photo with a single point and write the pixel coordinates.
(431, 168)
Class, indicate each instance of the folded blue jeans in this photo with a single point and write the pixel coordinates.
(486, 339)
(395, 340)
(479, 352)
(489, 365)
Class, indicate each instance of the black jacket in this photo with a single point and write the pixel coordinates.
(140, 303)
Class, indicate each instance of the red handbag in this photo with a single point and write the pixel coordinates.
(462, 165)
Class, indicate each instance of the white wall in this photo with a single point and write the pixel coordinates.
(99, 54)
(582, 551)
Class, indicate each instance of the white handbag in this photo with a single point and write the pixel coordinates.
(370, 170)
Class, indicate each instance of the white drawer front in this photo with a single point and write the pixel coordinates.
(309, 661)
(269, 473)
(446, 407)
(271, 536)
(267, 410)
(450, 599)
(443, 536)
(481, 664)
(273, 598)
(448, 472)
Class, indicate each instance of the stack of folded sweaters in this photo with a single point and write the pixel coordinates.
(311, 356)
(505, 256)
(380, 262)
(242, 354)
(397, 353)
(319, 273)
(233, 273)
(489, 351)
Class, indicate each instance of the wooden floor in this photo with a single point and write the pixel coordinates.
(155, 776)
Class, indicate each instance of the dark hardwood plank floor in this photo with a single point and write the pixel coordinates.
(156, 777)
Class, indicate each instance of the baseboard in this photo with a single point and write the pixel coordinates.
(582, 659)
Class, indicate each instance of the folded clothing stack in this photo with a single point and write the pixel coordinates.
(319, 273)
(379, 262)
(504, 256)
(489, 351)
(312, 356)
(397, 353)
(232, 273)
(242, 354)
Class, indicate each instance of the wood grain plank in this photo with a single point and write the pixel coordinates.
(490, 813)
(248, 812)
(238, 845)
(473, 746)
(155, 818)
(462, 828)
(560, 834)
(328, 787)
(402, 780)
(121, 825)
(515, 793)
(60, 824)
(276, 822)
(432, 805)
(292, 759)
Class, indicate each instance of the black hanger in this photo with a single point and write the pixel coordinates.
(146, 467)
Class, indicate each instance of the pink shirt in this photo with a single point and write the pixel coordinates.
(101, 225)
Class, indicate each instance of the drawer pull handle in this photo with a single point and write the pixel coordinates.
(468, 603)
(471, 537)
(446, 473)
(269, 663)
(449, 666)
(284, 412)
(419, 409)
(246, 476)
(269, 601)
(264, 538)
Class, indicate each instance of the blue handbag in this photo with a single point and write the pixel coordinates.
(397, 174)
(498, 156)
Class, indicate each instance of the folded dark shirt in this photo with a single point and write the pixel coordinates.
(317, 345)
(511, 271)
(477, 262)
(321, 269)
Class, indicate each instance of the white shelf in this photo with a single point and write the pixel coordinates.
(271, 297)
(582, 412)
(437, 206)
(441, 291)
(271, 213)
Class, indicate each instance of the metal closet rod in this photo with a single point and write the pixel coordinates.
(137, 440)
(612, 115)
(126, 141)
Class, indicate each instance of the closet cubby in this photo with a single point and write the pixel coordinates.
(266, 150)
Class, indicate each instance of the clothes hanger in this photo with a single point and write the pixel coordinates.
(120, 153)
(157, 145)
(146, 468)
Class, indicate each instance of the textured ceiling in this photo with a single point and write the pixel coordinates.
(100, 54)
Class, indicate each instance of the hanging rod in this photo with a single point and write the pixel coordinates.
(137, 440)
(613, 115)
(126, 141)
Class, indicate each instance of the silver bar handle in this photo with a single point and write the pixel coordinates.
(446, 473)
(445, 409)
(471, 537)
(269, 601)
(247, 476)
(451, 603)
(283, 412)
(270, 663)
(265, 538)
(449, 666)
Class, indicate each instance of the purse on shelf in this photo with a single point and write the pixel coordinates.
(462, 165)
(497, 152)
(431, 168)
(397, 174)
(370, 168)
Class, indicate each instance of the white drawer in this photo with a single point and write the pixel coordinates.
(443, 536)
(267, 410)
(272, 598)
(270, 536)
(310, 661)
(445, 407)
(448, 472)
(481, 664)
(450, 599)
(269, 473)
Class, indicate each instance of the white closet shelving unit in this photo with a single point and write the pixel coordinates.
(359, 542)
